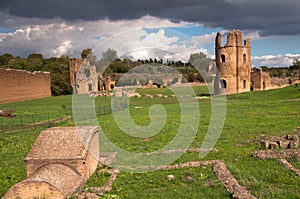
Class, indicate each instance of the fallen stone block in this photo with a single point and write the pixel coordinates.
(273, 145)
(60, 161)
(283, 144)
(294, 144)
(265, 144)
(51, 181)
(292, 137)
(7, 113)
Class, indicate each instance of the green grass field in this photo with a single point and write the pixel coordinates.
(249, 116)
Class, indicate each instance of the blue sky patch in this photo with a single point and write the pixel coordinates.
(7, 30)
(275, 46)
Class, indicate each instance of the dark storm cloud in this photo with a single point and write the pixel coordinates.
(270, 17)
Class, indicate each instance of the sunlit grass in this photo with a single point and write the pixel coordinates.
(249, 116)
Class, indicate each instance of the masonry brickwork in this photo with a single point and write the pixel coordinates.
(233, 61)
(261, 80)
(20, 85)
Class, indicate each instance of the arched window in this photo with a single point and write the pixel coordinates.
(222, 58)
(223, 83)
(245, 58)
(244, 84)
(112, 86)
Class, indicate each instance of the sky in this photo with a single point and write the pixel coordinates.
(164, 29)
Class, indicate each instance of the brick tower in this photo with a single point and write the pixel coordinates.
(233, 61)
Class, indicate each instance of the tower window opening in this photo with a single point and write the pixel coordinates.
(244, 84)
(245, 58)
(223, 83)
(222, 58)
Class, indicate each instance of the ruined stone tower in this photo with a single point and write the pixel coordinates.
(234, 64)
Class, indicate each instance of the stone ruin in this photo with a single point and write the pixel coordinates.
(282, 142)
(59, 163)
(233, 61)
(85, 79)
(261, 80)
(19, 85)
(7, 113)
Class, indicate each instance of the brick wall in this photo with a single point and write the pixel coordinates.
(19, 85)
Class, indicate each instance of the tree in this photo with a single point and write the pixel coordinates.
(89, 55)
(191, 77)
(35, 56)
(4, 59)
(296, 65)
(108, 57)
(201, 63)
(85, 53)
(144, 81)
(199, 60)
(179, 63)
(158, 82)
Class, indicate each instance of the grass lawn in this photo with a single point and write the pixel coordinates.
(249, 116)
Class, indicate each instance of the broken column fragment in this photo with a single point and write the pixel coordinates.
(60, 161)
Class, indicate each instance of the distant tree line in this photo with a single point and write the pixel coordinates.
(109, 64)
(196, 69)
(282, 71)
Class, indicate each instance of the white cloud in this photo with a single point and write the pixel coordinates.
(126, 36)
(57, 38)
(274, 60)
(210, 38)
(63, 48)
(140, 44)
(206, 38)
(252, 35)
(2, 36)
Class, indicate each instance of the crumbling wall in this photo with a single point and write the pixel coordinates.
(75, 64)
(83, 76)
(19, 85)
(60, 161)
(261, 80)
